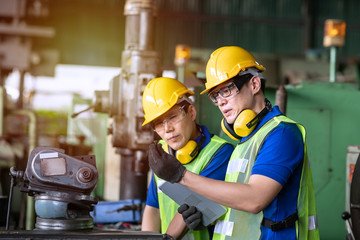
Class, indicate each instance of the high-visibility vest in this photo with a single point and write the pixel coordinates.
(237, 224)
(168, 207)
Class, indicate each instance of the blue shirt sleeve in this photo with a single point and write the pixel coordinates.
(281, 153)
(152, 199)
(217, 167)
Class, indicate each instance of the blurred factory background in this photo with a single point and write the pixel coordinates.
(72, 74)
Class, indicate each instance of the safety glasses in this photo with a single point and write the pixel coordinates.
(225, 92)
(171, 118)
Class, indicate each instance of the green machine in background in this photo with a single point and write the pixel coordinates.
(330, 113)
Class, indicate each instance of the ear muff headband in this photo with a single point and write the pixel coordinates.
(245, 122)
(188, 152)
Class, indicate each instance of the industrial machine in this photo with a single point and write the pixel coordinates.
(351, 215)
(123, 102)
(61, 186)
(355, 200)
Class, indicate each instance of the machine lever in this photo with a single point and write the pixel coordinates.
(74, 115)
(14, 174)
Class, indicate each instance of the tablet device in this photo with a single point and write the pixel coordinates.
(180, 194)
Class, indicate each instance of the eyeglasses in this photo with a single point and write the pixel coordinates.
(173, 118)
(225, 92)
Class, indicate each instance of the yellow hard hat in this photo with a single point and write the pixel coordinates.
(160, 95)
(225, 63)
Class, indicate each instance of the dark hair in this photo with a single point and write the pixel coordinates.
(243, 79)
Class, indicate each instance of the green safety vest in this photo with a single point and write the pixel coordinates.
(237, 224)
(168, 207)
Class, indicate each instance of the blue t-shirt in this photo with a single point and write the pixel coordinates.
(216, 169)
(280, 158)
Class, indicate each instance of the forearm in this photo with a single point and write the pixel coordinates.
(251, 197)
(177, 228)
(151, 219)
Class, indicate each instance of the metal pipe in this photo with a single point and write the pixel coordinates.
(146, 41)
(9, 202)
(14, 174)
(32, 126)
(30, 212)
(133, 177)
(20, 100)
(333, 64)
(281, 99)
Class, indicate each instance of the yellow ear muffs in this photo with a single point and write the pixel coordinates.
(229, 130)
(239, 129)
(240, 124)
(245, 122)
(188, 152)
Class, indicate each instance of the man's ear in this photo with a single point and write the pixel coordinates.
(255, 84)
(192, 112)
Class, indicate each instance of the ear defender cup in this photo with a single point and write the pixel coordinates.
(187, 153)
(245, 122)
(239, 128)
(227, 128)
(240, 124)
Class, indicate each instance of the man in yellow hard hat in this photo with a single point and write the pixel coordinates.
(170, 112)
(268, 189)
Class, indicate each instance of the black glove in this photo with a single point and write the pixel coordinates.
(167, 237)
(191, 216)
(164, 165)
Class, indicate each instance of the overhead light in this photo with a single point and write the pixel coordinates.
(334, 33)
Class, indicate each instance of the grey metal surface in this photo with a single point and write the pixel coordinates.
(181, 194)
(84, 234)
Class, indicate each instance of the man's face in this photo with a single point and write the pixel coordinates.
(175, 127)
(235, 102)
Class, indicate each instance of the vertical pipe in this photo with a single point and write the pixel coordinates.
(332, 64)
(308, 24)
(30, 209)
(133, 178)
(12, 183)
(281, 99)
(181, 73)
(146, 41)
(30, 213)
(19, 103)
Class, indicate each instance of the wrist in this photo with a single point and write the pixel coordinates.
(183, 176)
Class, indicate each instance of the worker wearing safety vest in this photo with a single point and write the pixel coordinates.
(170, 112)
(268, 190)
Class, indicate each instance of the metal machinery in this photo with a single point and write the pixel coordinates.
(355, 201)
(123, 102)
(61, 186)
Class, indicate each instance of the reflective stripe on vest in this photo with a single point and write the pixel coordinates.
(168, 208)
(236, 224)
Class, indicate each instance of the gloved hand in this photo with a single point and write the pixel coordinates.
(164, 165)
(191, 216)
(167, 237)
